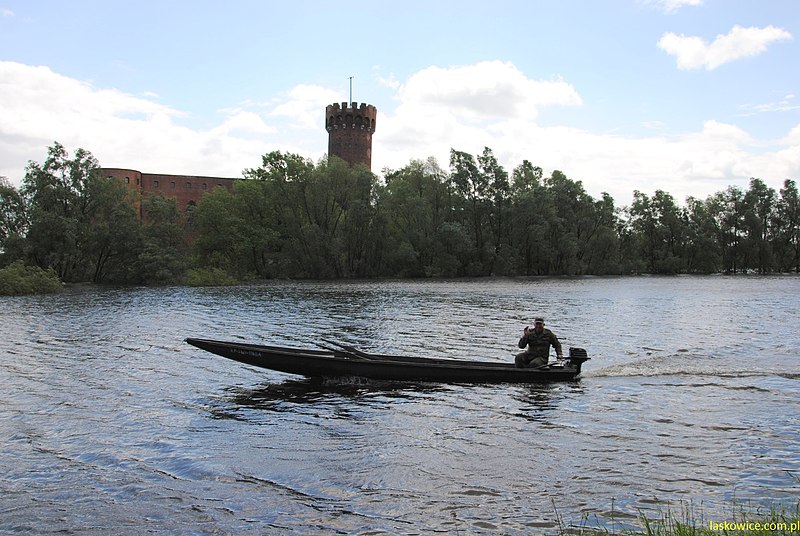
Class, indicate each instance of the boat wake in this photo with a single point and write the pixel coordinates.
(688, 365)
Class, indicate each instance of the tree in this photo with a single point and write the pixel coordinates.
(499, 191)
(163, 257)
(577, 222)
(759, 204)
(348, 214)
(703, 253)
(533, 217)
(218, 243)
(660, 231)
(728, 210)
(416, 203)
(110, 230)
(524, 178)
(316, 219)
(57, 195)
(13, 222)
(601, 251)
(473, 191)
(787, 227)
(82, 225)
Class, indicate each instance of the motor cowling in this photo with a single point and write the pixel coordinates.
(577, 356)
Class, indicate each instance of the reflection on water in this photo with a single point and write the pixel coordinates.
(114, 425)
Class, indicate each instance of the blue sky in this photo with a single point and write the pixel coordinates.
(686, 96)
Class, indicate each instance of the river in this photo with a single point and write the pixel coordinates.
(112, 424)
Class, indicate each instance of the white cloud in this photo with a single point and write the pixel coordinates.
(486, 89)
(695, 53)
(786, 104)
(654, 125)
(386, 81)
(438, 115)
(305, 106)
(793, 138)
(244, 123)
(671, 6)
(5, 12)
(122, 130)
(490, 104)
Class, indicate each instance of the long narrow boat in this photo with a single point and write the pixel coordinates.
(346, 361)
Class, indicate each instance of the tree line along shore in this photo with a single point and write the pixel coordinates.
(293, 218)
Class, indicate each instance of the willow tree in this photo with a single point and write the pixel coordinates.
(787, 228)
(81, 224)
(13, 221)
(660, 230)
(416, 203)
(315, 220)
(759, 208)
(164, 255)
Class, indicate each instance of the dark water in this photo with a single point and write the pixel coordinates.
(111, 424)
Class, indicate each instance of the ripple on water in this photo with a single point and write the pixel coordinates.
(113, 424)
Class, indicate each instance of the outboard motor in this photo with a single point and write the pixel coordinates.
(577, 356)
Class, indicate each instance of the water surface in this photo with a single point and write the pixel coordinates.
(112, 424)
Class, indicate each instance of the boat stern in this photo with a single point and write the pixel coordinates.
(577, 357)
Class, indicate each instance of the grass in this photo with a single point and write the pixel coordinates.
(743, 521)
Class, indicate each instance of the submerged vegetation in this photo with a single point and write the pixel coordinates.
(293, 218)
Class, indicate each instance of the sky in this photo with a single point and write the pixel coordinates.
(685, 96)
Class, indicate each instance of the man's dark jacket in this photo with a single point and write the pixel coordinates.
(539, 343)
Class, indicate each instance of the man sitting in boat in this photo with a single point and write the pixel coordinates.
(538, 339)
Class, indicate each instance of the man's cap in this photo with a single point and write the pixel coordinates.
(538, 319)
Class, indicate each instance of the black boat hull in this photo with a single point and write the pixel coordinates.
(335, 364)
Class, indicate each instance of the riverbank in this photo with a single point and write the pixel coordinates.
(744, 520)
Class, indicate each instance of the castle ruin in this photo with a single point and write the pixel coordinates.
(350, 129)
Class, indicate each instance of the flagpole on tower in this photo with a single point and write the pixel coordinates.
(351, 90)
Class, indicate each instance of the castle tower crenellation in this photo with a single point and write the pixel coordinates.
(350, 128)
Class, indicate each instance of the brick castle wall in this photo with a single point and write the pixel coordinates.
(187, 189)
(350, 130)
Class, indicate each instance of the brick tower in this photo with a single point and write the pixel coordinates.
(350, 131)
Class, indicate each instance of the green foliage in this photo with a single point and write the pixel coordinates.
(81, 225)
(13, 222)
(786, 224)
(111, 232)
(296, 219)
(12, 211)
(661, 230)
(293, 218)
(416, 204)
(209, 277)
(18, 279)
(164, 254)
